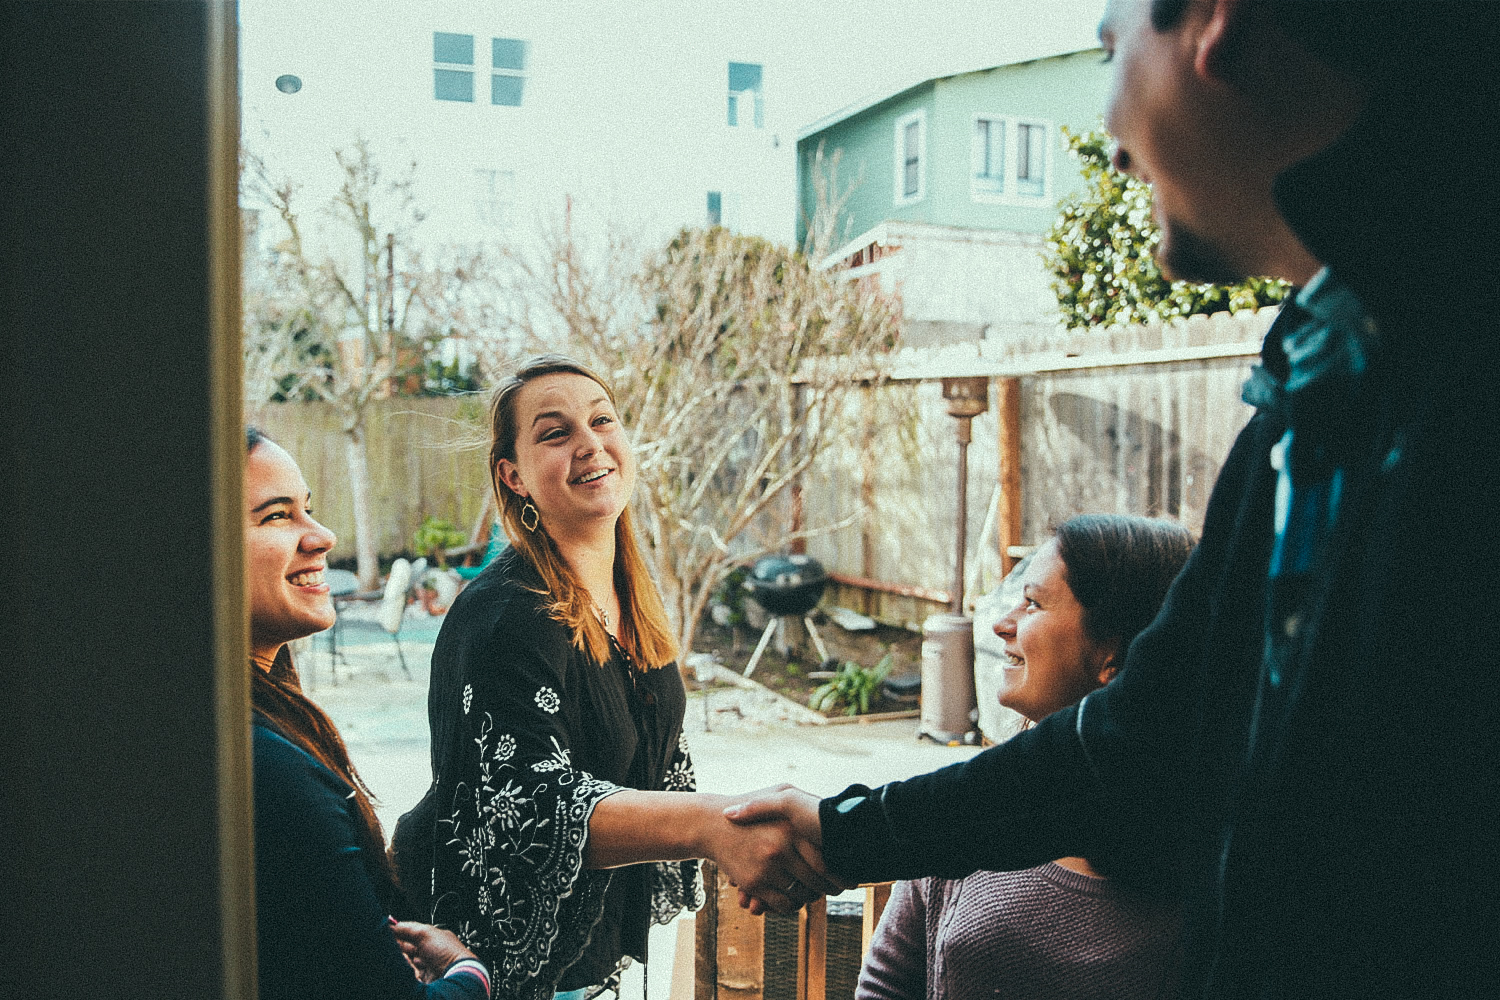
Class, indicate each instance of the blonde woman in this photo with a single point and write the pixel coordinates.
(554, 833)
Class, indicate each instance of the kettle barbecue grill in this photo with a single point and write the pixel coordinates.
(786, 586)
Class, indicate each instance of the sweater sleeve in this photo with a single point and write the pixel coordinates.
(509, 873)
(896, 965)
(320, 926)
(1101, 779)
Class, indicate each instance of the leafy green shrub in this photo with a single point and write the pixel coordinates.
(852, 686)
(434, 536)
(1101, 253)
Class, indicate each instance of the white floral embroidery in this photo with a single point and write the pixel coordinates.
(505, 747)
(468, 697)
(547, 701)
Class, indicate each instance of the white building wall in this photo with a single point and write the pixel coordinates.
(626, 114)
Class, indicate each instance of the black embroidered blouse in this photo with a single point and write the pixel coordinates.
(528, 735)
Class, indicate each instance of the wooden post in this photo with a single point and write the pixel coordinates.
(812, 951)
(706, 933)
(740, 955)
(867, 539)
(799, 545)
(876, 896)
(1008, 526)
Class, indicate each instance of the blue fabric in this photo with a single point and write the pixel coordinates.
(322, 930)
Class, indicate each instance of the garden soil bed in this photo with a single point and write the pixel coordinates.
(788, 676)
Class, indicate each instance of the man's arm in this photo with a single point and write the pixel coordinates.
(1105, 777)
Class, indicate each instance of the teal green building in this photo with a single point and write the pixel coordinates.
(977, 150)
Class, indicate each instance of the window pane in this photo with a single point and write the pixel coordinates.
(715, 208)
(508, 53)
(734, 109)
(1031, 152)
(911, 153)
(506, 90)
(989, 155)
(452, 85)
(449, 48)
(744, 76)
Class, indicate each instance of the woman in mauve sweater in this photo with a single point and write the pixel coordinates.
(1060, 930)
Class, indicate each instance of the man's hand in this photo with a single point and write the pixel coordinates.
(767, 859)
(795, 811)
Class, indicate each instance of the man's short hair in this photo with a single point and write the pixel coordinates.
(1407, 44)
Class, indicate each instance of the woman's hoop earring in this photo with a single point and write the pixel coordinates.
(536, 518)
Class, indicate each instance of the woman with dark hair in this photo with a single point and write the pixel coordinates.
(554, 833)
(323, 884)
(1061, 929)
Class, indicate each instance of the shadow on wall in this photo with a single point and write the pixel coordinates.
(1148, 463)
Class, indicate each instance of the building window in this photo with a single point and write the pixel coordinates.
(989, 155)
(911, 156)
(1031, 160)
(747, 105)
(508, 77)
(453, 67)
(494, 196)
(715, 208)
(1010, 160)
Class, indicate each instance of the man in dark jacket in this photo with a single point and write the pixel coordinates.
(1306, 743)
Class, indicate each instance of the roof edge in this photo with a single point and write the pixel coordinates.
(866, 103)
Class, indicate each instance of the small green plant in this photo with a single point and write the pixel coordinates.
(434, 536)
(730, 593)
(852, 686)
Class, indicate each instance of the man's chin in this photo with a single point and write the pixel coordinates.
(1186, 256)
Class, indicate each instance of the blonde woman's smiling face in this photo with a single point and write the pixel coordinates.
(573, 460)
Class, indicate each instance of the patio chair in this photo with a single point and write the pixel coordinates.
(393, 606)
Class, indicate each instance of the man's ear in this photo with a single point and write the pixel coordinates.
(511, 477)
(1219, 38)
(1109, 666)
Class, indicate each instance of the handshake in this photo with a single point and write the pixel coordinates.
(770, 849)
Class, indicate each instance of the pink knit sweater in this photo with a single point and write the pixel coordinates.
(1042, 933)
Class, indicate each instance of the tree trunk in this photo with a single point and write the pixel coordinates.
(367, 559)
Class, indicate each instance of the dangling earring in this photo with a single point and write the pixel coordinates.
(536, 518)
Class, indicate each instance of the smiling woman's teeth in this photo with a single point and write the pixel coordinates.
(592, 476)
(310, 578)
(1014, 660)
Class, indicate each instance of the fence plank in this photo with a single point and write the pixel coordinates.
(876, 896)
(706, 938)
(812, 951)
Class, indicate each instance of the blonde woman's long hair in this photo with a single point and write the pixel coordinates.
(645, 632)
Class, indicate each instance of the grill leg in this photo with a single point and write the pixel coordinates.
(812, 630)
(760, 647)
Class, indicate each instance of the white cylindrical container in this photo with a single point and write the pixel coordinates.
(947, 677)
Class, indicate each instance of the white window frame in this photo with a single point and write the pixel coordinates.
(1010, 192)
(469, 68)
(898, 190)
(506, 71)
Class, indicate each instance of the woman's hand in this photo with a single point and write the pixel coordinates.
(769, 859)
(430, 950)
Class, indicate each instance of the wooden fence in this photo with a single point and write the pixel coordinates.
(426, 456)
(1125, 420)
(1130, 420)
(736, 956)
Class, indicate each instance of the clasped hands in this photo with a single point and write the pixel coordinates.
(774, 854)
